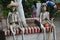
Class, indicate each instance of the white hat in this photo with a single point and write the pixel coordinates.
(44, 4)
(14, 4)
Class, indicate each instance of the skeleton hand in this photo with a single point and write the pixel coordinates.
(22, 29)
(52, 20)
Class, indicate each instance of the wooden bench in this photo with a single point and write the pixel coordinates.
(33, 27)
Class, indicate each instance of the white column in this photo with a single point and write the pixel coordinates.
(21, 12)
(38, 9)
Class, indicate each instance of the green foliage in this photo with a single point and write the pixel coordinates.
(4, 3)
(57, 13)
(53, 12)
(5, 12)
(27, 6)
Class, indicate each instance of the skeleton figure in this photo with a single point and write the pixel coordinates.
(13, 17)
(44, 16)
(14, 20)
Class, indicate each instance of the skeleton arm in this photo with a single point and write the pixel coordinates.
(8, 20)
(8, 23)
(48, 16)
(19, 21)
(41, 21)
(18, 18)
(49, 21)
(40, 17)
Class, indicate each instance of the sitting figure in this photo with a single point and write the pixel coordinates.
(45, 22)
(13, 17)
(44, 16)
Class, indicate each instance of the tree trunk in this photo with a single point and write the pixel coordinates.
(21, 12)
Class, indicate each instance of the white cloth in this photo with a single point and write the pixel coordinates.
(21, 12)
(34, 9)
(38, 8)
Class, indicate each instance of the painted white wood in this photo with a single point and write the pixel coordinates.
(21, 12)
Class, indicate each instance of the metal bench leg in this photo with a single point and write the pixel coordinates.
(14, 37)
(44, 34)
(23, 34)
(54, 32)
(22, 29)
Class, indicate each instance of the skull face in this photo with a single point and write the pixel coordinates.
(43, 8)
(13, 9)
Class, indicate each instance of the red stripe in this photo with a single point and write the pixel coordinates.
(17, 31)
(29, 30)
(38, 29)
(26, 30)
(35, 29)
(32, 30)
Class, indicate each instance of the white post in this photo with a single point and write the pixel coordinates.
(21, 12)
(38, 9)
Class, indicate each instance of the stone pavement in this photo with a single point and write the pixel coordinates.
(57, 24)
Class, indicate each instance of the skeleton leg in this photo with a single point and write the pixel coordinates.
(54, 32)
(44, 35)
(22, 29)
(11, 27)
